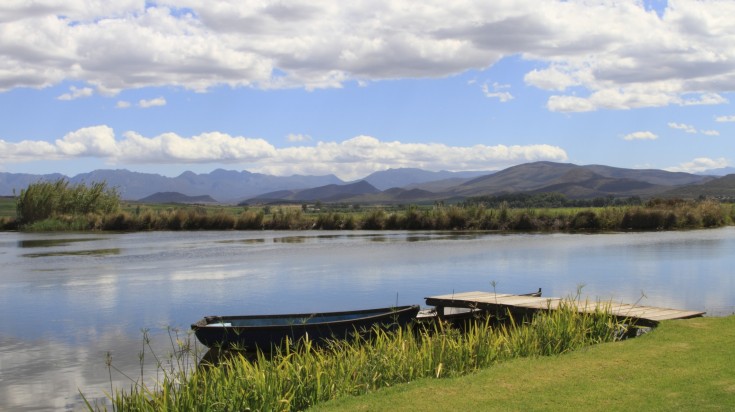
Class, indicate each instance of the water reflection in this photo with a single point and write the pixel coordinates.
(290, 239)
(48, 375)
(65, 305)
(32, 243)
(341, 237)
(245, 241)
(88, 252)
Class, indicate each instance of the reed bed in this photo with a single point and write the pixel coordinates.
(301, 375)
(59, 206)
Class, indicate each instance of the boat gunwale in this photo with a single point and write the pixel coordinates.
(375, 313)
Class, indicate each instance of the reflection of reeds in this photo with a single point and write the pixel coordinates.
(300, 375)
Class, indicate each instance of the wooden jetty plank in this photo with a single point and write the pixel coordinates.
(470, 295)
(463, 299)
(679, 314)
(629, 310)
(498, 301)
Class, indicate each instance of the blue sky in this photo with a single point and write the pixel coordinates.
(350, 88)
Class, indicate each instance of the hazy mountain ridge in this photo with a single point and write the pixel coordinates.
(576, 181)
(222, 185)
(724, 171)
(572, 180)
(327, 193)
(176, 197)
(723, 187)
(403, 177)
(14, 182)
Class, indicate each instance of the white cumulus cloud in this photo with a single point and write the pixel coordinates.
(700, 164)
(296, 137)
(589, 55)
(642, 135)
(722, 119)
(158, 101)
(204, 148)
(497, 91)
(351, 158)
(89, 141)
(76, 93)
(684, 127)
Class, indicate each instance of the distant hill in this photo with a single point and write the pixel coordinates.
(10, 182)
(576, 181)
(723, 187)
(398, 186)
(176, 197)
(724, 171)
(222, 185)
(397, 195)
(328, 193)
(440, 186)
(584, 183)
(573, 181)
(404, 177)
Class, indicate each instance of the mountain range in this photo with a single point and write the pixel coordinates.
(395, 185)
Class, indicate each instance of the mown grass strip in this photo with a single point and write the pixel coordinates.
(683, 365)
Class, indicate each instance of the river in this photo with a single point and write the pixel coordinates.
(69, 300)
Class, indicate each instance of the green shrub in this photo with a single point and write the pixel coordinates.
(712, 213)
(121, 221)
(585, 220)
(374, 220)
(221, 221)
(250, 220)
(643, 219)
(329, 221)
(288, 219)
(524, 222)
(458, 218)
(44, 200)
(8, 223)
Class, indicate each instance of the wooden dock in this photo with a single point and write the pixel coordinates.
(521, 305)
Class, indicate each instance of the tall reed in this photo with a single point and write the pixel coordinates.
(44, 200)
(301, 375)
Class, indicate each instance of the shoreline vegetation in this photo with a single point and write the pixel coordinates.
(299, 376)
(60, 206)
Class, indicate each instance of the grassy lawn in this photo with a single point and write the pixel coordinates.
(684, 365)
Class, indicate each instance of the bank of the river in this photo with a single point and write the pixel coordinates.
(681, 365)
(294, 379)
(653, 215)
(61, 206)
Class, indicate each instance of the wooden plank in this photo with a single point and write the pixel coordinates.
(519, 300)
(461, 298)
(674, 314)
(498, 301)
(631, 311)
(465, 295)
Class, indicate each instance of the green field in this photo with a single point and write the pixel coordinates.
(685, 365)
(7, 206)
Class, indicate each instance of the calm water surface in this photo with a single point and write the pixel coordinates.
(66, 300)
